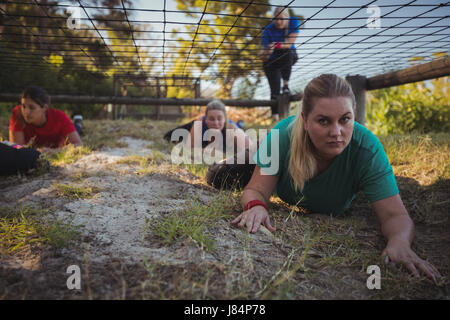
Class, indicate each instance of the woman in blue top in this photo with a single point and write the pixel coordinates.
(278, 52)
(321, 159)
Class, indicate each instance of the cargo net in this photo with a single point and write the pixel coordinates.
(217, 42)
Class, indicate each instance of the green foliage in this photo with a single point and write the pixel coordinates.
(75, 192)
(59, 234)
(237, 49)
(27, 59)
(23, 226)
(246, 88)
(408, 108)
(64, 61)
(194, 221)
(413, 155)
(67, 155)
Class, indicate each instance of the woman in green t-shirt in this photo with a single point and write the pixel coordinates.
(321, 159)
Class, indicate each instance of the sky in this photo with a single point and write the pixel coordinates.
(334, 39)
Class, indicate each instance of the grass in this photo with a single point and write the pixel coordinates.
(106, 133)
(194, 222)
(198, 170)
(25, 226)
(75, 192)
(424, 158)
(67, 155)
(145, 164)
(4, 128)
(60, 234)
(308, 257)
(18, 228)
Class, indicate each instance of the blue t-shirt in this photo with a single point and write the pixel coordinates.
(361, 166)
(272, 34)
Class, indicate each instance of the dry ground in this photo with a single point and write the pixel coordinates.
(141, 228)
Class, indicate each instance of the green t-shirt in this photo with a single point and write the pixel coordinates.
(363, 165)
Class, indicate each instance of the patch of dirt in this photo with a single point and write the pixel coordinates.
(114, 223)
(120, 258)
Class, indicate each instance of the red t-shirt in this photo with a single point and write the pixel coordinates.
(52, 134)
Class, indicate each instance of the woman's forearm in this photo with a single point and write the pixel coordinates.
(249, 195)
(17, 137)
(290, 39)
(399, 227)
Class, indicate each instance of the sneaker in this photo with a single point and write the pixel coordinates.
(286, 90)
(78, 123)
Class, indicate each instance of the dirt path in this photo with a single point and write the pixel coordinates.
(312, 257)
(114, 222)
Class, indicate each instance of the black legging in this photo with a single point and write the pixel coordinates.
(230, 176)
(276, 69)
(13, 160)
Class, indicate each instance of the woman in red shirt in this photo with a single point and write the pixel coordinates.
(33, 122)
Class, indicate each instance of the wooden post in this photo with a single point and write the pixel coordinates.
(358, 84)
(114, 109)
(430, 70)
(283, 105)
(152, 101)
(123, 108)
(158, 95)
(197, 88)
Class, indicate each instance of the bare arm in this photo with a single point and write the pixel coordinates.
(267, 51)
(196, 125)
(394, 219)
(74, 139)
(191, 135)
(17, 137)
(289, 41)
(239, 136)
(260, 188)
(398, 228)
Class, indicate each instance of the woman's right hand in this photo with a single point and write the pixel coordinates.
(253, 218)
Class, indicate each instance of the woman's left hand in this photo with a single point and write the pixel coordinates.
(399, 251)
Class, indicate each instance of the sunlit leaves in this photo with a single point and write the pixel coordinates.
(57, 60)
(225, 40)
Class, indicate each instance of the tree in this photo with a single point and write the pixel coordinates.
(225, 42)
(38, 47)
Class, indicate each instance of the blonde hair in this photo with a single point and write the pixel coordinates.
(302, 160)
(281, 12)
(218, 105)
